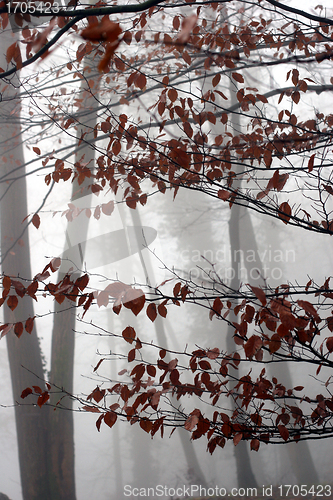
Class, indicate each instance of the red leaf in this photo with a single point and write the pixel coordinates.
(151, 312)
(309, 309)
(329, 344)
(32, 289)
(259, 293)
(216, 79)
(204, 365)
(277, 181)
(329, 404)
(12, 302)
(43, 398)
(328, 188)
(252, 346)
(236, 359)
(105, 127)
(6, 282)
(151, 370)
(188, 129)
(134, 300)
(97, 395)
(5, 329)
(99, 421)
(117, 288)
(18, 329)
(107, 208)
(295, 76)
(263, 99)
(131, 356)
(223, 194)
(110, 418)
(255, 443)
(238, 77)
(26, 392)
(146, 424)
(191, 422)
(275, 343)
(176, 23)
(284, 212)
(172, 94)
(237, 438)
(36, 150)
(88, 303)
(82, 282)
(36, 220)
(283, 432)
(129, 334)
(162, 310)
(105, 30)
(296, 97)
(187, 26)
(117, 307)
(176, 289)
(97, 212)
(92, 409)
(213, 353)
(116, 148)
(114, 406)
(138, 371)
(216, 309)
(172, 364)
(102, 299)
(55, 264)
(99, 364)
(13, 52)
(311, 162)
(19, 288)
(141, 81)
(105, 61)
(131, 201)
(155, 399)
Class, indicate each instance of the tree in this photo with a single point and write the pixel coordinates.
(31, 425)
(274, 161)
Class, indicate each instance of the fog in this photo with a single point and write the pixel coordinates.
(167, 239)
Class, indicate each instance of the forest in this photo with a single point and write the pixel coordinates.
(166, 261)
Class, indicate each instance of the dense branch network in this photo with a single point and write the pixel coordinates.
(214, 117)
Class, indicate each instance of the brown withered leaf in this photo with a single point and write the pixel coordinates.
(110, 418)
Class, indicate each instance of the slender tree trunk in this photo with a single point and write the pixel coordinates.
(245, 475)
(117, 466)
(62, 456)
(24, 353)
(195, 472)
(299, 453)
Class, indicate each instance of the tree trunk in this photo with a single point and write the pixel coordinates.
(196, 474)
(62, 457)
(245, 475)
(24, 354)
(299, 453)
